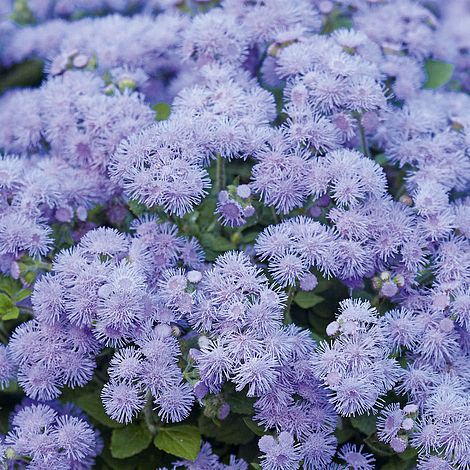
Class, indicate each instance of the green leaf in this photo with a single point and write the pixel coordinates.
(307, 299)
(5, 303)
(409, 454)
(397, 464)
(255, 465)
(344, 435)
(365, 424)
(22, 294)
(183, 441)
(381, 159)
(11, 313)
(378, 447)
(136, 207)
(438, 72)
(252, 426)
(240, 404)
(9, 285)
(28, 74)
(129, 441)
(250, 237)
(216, 242)
(92, 405)
(150, 458)
(233, 430)
(162, 111)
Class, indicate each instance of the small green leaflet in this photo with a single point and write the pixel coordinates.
(252, 426)
(8, 310)
(307, 299)
(183, 441)
(438, 73)
(129, 441)
(162, 111)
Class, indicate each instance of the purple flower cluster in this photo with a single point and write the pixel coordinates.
(244, 341)
(99, 296)
(356, 365)
(49, 436)
(353, 174)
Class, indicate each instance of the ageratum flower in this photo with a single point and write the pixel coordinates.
(53, 434)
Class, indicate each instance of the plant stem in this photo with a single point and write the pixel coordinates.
(362, 134)
(290, 298)
(100, 377)
(149, 415)
(275, 216)
(3, 334)
(220, 177)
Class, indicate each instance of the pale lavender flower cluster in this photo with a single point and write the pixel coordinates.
(367, 172)
(37, 192)
(7, 368)
(355, 366)
(98, 295)
(244, 341)
(50, 436)
(70, 128)
(149, 369)
(103, 41)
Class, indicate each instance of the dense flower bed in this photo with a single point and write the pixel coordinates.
(235, 235)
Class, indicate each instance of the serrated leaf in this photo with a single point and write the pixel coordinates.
(182, 441)
(307, 299)
(438, 72)
(252, 426)
(92, 405)
(129, 441)
(364, 423)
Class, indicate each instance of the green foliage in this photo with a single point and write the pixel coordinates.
(216, 243)
(252, 426)
(11, 293)
(162, 111)
(92, 405)
(378, 447)
(307, 299)
(240, 404)
(364, 423)
(438, 72)
(232, 430)
(28, 73)
(129, 441)
(8, 310)
(182, 441)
